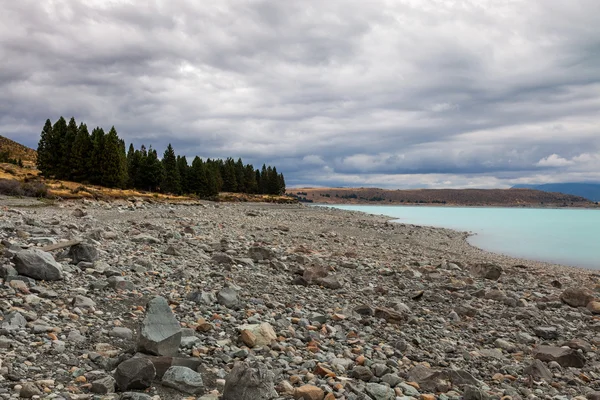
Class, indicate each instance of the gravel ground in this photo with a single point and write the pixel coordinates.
(260, 301)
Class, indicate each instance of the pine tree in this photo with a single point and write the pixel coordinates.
(184, 174)
(281, 184)
(153, 171)
(171, 182)
(96, 161)
(114, 167)
(250, 183)
(80, 155)
(43, 151)
(59, 133)
(240, 176)
(66, 149)
(264, 180)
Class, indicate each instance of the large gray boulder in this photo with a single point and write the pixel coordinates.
(228, 297)
(249, 382)
(37, 264)
(565, 356)
(160, 333)
(183, 379)
(82, 252)
(135, 374)
(538, 370)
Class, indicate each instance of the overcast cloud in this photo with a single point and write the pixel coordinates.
(388, 93)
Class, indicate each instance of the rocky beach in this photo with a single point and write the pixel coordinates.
(135, 299)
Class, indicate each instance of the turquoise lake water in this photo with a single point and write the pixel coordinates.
(562, 236)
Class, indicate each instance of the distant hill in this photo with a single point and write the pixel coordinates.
(590, 191)
(18, 151)
(465, 197)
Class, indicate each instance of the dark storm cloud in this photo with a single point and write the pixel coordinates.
(384, 93)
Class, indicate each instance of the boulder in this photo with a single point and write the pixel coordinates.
(538, 370)
(565, 356)
(135, 374)
(183, 379)
(257, 334)
(82, 252)
(577, 297)
(13, 321)
(249, 382)
(391, 316)
(103, 386)
(594, 307)
(160, 333)
(37, 264)
(487, 271)
(228, 297)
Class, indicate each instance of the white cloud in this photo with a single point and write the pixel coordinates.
(554, 160)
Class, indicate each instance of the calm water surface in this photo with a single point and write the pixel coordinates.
(563, 236)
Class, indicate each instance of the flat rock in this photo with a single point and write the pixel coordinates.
(309, 392)
(538, 370)
(566, 357)
(160, 333)
(183, 379)
(38, 264)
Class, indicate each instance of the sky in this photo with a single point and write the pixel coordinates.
(383, 93)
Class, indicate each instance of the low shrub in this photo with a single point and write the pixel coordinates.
(11, 187)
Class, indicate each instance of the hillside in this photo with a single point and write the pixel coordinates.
(18, 151)
(590, 191)
(469, 197)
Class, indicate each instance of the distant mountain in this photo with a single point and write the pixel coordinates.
(590, 191)
(465, 197)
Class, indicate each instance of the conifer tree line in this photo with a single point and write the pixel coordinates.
(70, 152)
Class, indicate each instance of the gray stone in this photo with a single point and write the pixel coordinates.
(258, 253)
(391, 379)
(121, 332)
(222, 258)
(183, 379)
(380, 392)
(143, 238)
(83, 302)
(29, 390)
(408, 390)
(37, 264)
(538, 370)
(119, 283)
(546, 332)
(363, 373)
(228, 297)
(82, 252)
(160, 333)
(566, 357)
(473, 393)
(487, 271)
(249, 382)
(135, 374)
(14, 321)
(135, 396)
(104, 386)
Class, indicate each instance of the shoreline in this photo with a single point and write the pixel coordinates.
(471, 234)
(356, 304)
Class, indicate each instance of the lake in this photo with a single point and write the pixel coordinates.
(562, 236)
